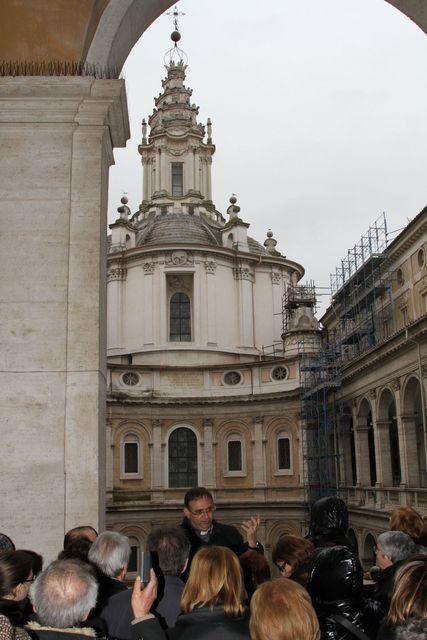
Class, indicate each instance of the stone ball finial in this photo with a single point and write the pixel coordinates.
(233, 199)
(175, 36)
(124, 209)
(270, 243)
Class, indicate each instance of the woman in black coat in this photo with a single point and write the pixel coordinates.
(212, 601)
(335, 584)
(16, 575)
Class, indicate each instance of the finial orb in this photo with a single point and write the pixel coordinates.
(124, 200)
(233, 199)
(269, 233)
(175, 36)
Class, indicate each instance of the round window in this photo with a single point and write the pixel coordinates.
(130, 378)
(279, 373)
(399, 276)
(421, 258)
(232, 377)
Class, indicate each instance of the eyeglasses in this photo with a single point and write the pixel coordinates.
(280, 566)
(201, 512)
(30, 579)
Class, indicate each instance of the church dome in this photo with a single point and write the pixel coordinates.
(177, 228)
(182, 228)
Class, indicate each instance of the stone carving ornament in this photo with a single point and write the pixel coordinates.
(179, 258)
(178, 283)
(118, 273)
(275, 277)
(210, 266)
(242, 273)
(148, 268)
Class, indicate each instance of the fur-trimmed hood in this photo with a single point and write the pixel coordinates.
(36, 627)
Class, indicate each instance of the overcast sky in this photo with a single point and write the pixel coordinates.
(318, 110)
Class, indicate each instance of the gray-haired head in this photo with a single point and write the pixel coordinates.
(64, 593)
(110, 553)
(396, 545)
(172, 547)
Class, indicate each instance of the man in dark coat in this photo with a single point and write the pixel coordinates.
(65, 592)
(393, 548)
(202, 529)
(170, 548)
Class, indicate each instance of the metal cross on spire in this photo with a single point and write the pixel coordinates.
(175, 13)
(175, 55)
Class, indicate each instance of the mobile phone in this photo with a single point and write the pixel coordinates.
(146, 564)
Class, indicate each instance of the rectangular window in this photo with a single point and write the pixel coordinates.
(131, 457)
(235, 455)
(177, 179)
(283, 454)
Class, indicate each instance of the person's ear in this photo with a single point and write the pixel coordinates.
(85, 616)
(186, 512)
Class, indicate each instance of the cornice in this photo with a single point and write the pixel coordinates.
(137, 252)
(205, 367)
(385, 350)
(121, 398)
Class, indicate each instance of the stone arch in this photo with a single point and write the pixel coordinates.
(352, 536)
(389, 438)
(368, 557)
(366, 443)
(123, 23)
(412, 424)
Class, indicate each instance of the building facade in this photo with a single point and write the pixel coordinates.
(378, 316)
(194, 396)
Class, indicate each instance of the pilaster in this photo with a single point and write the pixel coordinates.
(54, 374)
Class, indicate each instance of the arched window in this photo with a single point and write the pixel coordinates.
(284, 462)
(180, 318)
(182, 458)
(130, 463)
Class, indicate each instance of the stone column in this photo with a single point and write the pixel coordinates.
(383, 453)
(409, 428)
(209, 178)
(157, 467)
(208, 468)
(147, 319)
(195, 170)
(401, 435)
(116, 276)
(244, 278)
(56, 135)
(259, 466)
(362, 450)
(146, 171)
(210, 266)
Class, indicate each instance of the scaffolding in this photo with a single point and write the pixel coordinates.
(361, 317)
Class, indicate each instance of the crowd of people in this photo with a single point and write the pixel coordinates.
(205, 582)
